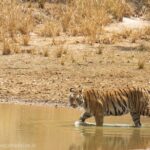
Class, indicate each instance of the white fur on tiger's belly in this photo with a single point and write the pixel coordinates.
(80, 123)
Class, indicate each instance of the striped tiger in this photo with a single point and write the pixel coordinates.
(117, 102)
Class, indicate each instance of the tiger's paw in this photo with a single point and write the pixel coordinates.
(81, 123)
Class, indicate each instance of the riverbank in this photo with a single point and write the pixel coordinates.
(53, 103)
(40, 68)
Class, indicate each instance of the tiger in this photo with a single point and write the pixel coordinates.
(117, 102)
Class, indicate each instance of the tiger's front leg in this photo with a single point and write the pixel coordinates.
(99, 119)
(85, 116)
(99, 114)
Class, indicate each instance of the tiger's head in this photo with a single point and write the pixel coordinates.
(76, 97)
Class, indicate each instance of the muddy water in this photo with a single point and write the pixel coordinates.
(45, 128)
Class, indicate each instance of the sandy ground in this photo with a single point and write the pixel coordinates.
(32, 78)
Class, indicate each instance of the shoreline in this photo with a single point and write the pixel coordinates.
(53, 103)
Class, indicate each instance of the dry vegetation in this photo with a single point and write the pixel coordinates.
(141, 64)
(76, 17)
(54, 45)
(16, 23)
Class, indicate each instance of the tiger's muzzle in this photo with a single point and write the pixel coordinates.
(72, 102)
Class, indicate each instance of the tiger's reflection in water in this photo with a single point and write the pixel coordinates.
(116, 139)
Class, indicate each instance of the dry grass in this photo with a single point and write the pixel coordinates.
(66, 18)
(50, 29)
(126, 33)
(140, 34)
(62, 62)
(99, 50)
(118, 9)
(132, 35)
(73, 60)
(16, 21)
(59, 51)
(26, 39)
(146, 30)
(31, 51)
(141, 64)
(15, 18)
(87, 17)
(16, 49)
(41, 3)
(142, 47)
(6, 47)
(46, 53)
(75, 17)
(135, 35)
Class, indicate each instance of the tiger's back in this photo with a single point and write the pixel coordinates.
(120, 101)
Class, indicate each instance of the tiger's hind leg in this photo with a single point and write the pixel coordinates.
(146, 112)
(136, 118)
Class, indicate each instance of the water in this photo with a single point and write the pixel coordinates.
(45, 128)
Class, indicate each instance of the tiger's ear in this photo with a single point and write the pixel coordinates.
(80, 89)
(72, 90)
(76, 90)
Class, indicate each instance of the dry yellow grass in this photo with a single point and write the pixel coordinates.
(73, 60)
(41, 3)
(140, 34)
(26, 39)
(118, 9)
(131, 34)
(15, 18)
(99, 50)
(6, 47)
(59, 51)
(50, 29)
(16, 21)
(87, 17)
(75, 17)
(146, 30)
(46, 53)
(16, 49)
(31, 51)
(141, 64)
(62, 62)
(142, 47)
